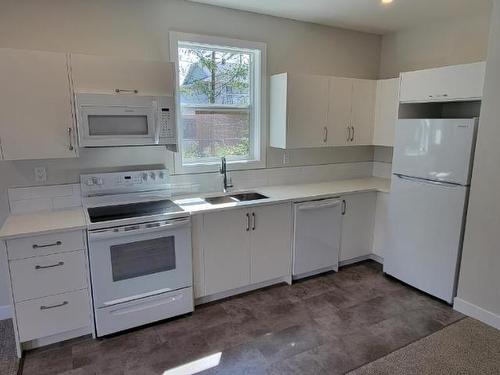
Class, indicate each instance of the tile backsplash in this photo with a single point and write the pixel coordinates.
(41, 198)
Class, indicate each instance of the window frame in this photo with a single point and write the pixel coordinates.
(258, 116)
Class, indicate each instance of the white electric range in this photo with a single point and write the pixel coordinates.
(139, 249)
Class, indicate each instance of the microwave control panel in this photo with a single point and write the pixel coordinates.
(167, 118)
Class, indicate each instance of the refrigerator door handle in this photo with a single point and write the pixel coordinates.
(426, 181)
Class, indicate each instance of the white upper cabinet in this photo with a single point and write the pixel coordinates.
(339, 111)
(299, 111)
(319, 111)
(386, 112)
(36, 109)
(363, 108)
(450, 83)
(99, 74)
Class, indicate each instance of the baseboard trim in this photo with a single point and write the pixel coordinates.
(373, 257)
(5, 312)
(477, 312)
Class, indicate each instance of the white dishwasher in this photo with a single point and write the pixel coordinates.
(317, 232)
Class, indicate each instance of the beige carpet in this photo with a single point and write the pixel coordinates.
(9, 364)
(466, 347)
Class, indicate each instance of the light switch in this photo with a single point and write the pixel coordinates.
(40, 174)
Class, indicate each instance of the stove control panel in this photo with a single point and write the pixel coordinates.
(136, 181)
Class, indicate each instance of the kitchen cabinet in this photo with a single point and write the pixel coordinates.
(242, 247)
(380, 230)
(36, 109)
(226, 245)
(320, 111)
(357, 225)
(363, 108)
(49, 280)
(386, 111)
(101, 74)
(339, 111)
(270, 242)
(450, 83)
(299, 111)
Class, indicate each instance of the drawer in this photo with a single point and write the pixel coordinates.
(126, 315)
(45, 244)
(48, 275)
(52, 315)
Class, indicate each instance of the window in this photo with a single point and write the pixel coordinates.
(220, 94)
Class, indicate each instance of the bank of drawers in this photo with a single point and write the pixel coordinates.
(49, 283)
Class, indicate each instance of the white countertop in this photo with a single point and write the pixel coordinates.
(23, 225)
(43, 222)
(290, 193)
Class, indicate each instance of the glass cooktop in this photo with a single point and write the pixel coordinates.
(132, 210)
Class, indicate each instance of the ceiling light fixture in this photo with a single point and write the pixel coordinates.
(387, 1)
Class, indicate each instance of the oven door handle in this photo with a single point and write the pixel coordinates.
(103, 234)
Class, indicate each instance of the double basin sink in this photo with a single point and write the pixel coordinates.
(235, 198)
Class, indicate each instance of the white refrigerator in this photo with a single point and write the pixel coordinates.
(432, 167)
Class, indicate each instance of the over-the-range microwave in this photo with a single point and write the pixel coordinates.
(105, 120)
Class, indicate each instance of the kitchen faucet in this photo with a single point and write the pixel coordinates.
(223, 171)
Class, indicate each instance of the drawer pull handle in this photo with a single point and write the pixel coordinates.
(58, 243)
(51, 266)
(54, 306)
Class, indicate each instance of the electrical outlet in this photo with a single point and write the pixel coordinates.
(286, 158)
(40, 174)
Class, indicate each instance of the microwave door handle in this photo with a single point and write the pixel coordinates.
(141, 229)
(156, 122)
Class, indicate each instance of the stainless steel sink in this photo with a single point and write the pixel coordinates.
(245, 197)
(221, 199)
(234, 198)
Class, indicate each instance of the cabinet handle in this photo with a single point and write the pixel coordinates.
(344, 207)
(70, 130)
(352, 136)
(325, 134)
(253, 217)
(126, 91)
(37, 267)
(54, 306)
(248, 222)
(58, 243)
(348, 134)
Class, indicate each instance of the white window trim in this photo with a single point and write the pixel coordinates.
(260, 132)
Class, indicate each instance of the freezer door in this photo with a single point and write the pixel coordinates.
(316, 243)
(425, 232)
(438, 149)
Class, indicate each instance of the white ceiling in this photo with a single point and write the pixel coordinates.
(363, 15)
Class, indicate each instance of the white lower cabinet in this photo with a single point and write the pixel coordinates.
(49, 283)
(357, 225)
(226, 243)
(242, 247)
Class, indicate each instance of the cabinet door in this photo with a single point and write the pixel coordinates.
(386, 111)
(363, 111)
(357, 225)
(270, 253)
(36, 113)
(339, 111)
(307, 109)
(450, 83)
(226, 249)
(99, 74)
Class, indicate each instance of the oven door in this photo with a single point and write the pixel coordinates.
(115, 125)
(138, 261)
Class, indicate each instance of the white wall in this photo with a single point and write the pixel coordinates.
(479, 284)
(139, 29)
(457, 41)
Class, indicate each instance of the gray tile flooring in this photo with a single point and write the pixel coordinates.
(324, 325)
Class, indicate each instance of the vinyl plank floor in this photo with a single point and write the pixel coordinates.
(329, 324)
